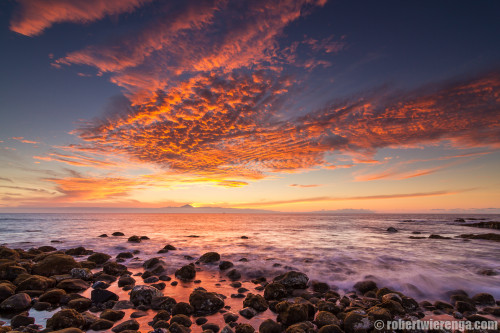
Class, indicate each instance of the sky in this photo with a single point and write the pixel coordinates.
(289, 105)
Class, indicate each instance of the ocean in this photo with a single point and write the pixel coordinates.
(337, 249)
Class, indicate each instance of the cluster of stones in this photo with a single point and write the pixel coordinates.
(45, 278)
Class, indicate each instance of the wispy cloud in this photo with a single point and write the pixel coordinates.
(23, 140)
(34, 16)
(305, 185)
(6, 179)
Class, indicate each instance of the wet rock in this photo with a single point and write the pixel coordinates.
(182, 320)
(490, 236)
(16, 303)
(244, 328)
(328, 306)
(64, 319)
(82, 273)
(365, 286)
(269, 326)
(392, 229)
(177, 328)
(131, 324)
(36, 282)
(21, 320)
(182, 308)
(201, 320)
(6, 253)
(53, 296)
(324, 318)
(112, 315)
(460, 220)
(55, 264)
(134, 239)
(122, 305)
(483, 299)
(143, 295)
(88, 264)
(73, 285)
(234, 275)
(144, 238)
(165, 278)
(205, 303)
(275, 291)
(255, 301)
(99, 296)
(42, 306)
(186, 273)
(292, 313)
(230, 317)
(304, 327)
(69, 330)
(126, 281)
(355, 322)
(114, 269)
(209, 257)
(442, 305)
(227, 329)
(151, 279)
(103, 235)
(47, 248)
(118, 233)
(7, 289)
(80, 304)
(320, 287)
(378, 313)
(330, 329)
(163, 303)
(211, 327)
(124, 255)
(101, 325)
(138, 314)
(223, 265)
(465, 307)
(248, 312)
(293, 280)
(161, 326)
(392, 297)
(11, 270)
(101, 285)
(99, 258)
(77, 251)
(433, 236)
(409, 304)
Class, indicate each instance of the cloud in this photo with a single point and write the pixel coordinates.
(23, 140)
(353, 198)
(304, 186)
(6, 179)
(34, 16)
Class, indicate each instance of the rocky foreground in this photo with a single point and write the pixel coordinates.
(80, 289)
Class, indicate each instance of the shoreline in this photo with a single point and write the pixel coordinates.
(293, 302)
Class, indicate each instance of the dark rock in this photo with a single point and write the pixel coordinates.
(131, 324)
(69, 330)
(483, 299)
(234, 275)
(138, 314)
(134, 239)
(122, 305)
(64, 319)
(21, 320)
(73, 285)
(485, 224)
(161, 326)
(36, 282)
(16, 303)
(293, 280)
(126, 281)
(143, 295)
(82, 273)
(330, 329)
(151, 279)
(6, 253)
(52, 296)
(365, 286)
(182, 320)
(100, 285)
(442, 305)
(235, 284)
(101, 325)
(55, 264)
(11, 270)
(77, 251)
(292, 313)
(489, 236)
(209, 257)
(201, 320)
(144, 238)
(320, 287)
(159, 286)
(163, 303)
(223, 265)
(275, 291)
(378, 313)
(212, 327)
(118, 233)
(103, 235)
(465, 307)
(392, 229)
(433, 236)
(460, 220)
(7, 289)
(124, 255)
(47, 248)
(112, 315)
(42, 306)
(114, 269)
(205, 303)
(177, 328)
(324, 318)
(80, 304)
(304, 327)
(182, 308)
(88, 264)
(230, 317)
(269, 326)
(102, 296)
(255, 301)
(174, 283)
(99, 258)
(248, 312)
(186, 273)
(244, 328)
(355, 322)
(165, 278)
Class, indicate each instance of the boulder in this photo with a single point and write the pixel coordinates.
(112, 315)
(234, 275)
(223, 265)
(293, 280)
(21, 320)
(182, 320)
(248, 312)
(82, 273)
(292, 313)
(73, 285)
(80, 304)
(16, 303)
(129, 325)
(52, 296)
(36, 282)
(324, 318)
(483, 299)
(355, 322)
(114, 269)
(99, 296)
(134, 239)
(101, 325)
(275, 291)
(255, 301)
(244, 328)
(55, 264)
(6, 253)
(270, 326)
(365, 286)
(6, 290)
(143, 295)
(64, 319)
(186, 273)
(163, 303)
(182, 308)
(209, 257)
(205, 303)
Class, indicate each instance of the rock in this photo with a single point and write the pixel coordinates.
(161, 326)
(73, 285)
(223, 265)
(163, 303)
(234, 275)
(80, 304)
(6, 253)
(182, 320)
(6, 290)
(112, 315)
(77, 251)
(248, 312)
(483, 299)
(118, 233)
(355, 322)
(209, 257)
(275, 291)
(21, 320)
(205, 303)
(134, 239)
(52, 296)
(99, 258)
(292, 313)
(16, 303)
(138, 314)
(244, 328)
(330, 329)
(125, 255)
(378, 313)
(257, 302)
(103, 235)
(324, 318)
(101, 325)
(465, 307)
(320, 287)
(365, 286)
(433, 236)
(114, 269)
(327, 306)
(55, 264)
(36, 282)
(182, 308)
(47, 248)
(186, 273)
(143, 295)
(201, 320)
(126, 281)
(177, 328)
(392, 297)
(131, 324)
(151, 279)
(409, 304)
(122, 305)
(269, 326)
(82, 273)
(230, 317)
(161, 315)
(304, 327)
(293, 280)
(227, 329)
(392, 229)
(490, 236)
(99, 296)
(460, 220)
(101, 285)
(64, 319)
(11, 270)
(442, 305)
(211, 327)
(88, 264)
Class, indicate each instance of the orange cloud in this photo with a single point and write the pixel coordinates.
(34, 16)
(23, 140)
(304, 186)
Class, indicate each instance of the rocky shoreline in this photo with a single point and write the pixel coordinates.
(45, 289)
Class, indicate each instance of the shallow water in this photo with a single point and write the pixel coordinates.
(338, 249)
